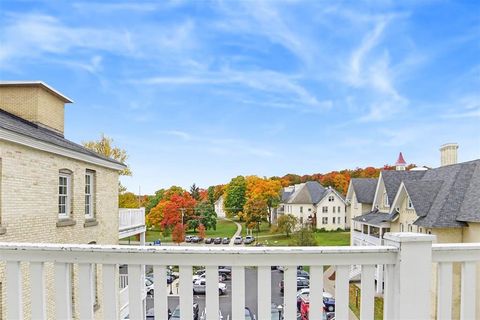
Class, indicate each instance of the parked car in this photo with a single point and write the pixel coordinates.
(208, 241)
(282, 268)
(176, 313)
(238, 240)
(301, 283)
(188, 238)
(217, 240)
(204, 315)
(226, 240)
(328, 300)
(249, 314)
(249, 239)
(200, 286)
(149, 286)
(303, 274)
(276, 314)
(223, 272)
(195, 239)
(203, 276)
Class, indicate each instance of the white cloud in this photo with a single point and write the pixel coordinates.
(180, 134)
(468, 107)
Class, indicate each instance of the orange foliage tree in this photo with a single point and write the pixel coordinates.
(178, 234)
(168, 212)
(265, 192)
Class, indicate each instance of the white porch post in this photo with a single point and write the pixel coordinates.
(412, 274)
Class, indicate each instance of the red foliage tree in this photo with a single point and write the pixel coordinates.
(178, 234)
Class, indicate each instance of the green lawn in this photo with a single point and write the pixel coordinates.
(354, 303)
(264, 229)
(333, 238)
(225, 228)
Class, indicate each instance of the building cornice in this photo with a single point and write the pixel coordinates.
(51, 148)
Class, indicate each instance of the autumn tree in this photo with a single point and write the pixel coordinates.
(153, 201)
(175, 203)
(128, 200)
(201, 231)
(105, 147)
(255, 212)
(266, 189)
(235, 196)
(286, 224)
(178, 234)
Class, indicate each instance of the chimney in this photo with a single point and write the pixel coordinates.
(34, 101)
(448, 154)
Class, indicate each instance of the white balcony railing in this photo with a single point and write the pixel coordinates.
(365, 240)
(408, 260)
(131, 222)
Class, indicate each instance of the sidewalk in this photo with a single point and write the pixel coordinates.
(237, 233)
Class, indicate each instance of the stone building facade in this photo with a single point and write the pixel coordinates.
(51, 189)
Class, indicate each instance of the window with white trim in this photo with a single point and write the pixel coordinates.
(409, 203)
(339, 210)
(333, 209)
(331, 198)
(325, 220)
(385, 199)
(325, 209)
(64, 194)
(333, 219)
(301, 209)
(89, 194)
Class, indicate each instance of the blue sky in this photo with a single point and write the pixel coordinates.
(201, 91)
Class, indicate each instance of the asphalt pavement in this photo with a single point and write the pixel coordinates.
(226, 300)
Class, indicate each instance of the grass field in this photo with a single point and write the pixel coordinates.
(354, 303)
(323, 239)
(225, 228)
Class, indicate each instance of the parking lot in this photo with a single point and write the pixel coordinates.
(226, 300)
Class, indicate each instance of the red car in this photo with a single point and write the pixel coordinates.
(305, 306)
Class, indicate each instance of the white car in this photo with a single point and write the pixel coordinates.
(197, 277)
(204, 315)
(200, 287)
(307, 291)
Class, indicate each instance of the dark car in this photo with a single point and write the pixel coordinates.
(217, 240)
(208, 241)
(301, 283)
(303, 274)
(226, 240)
(176, 313)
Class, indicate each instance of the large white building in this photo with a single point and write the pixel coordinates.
(312, 203)
(443, 201)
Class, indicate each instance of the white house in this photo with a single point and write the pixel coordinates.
(312, 203)
(219, 208)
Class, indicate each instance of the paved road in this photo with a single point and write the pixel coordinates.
(226, 300)
(237, 233)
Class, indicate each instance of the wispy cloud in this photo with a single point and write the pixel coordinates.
(468, 107)
(221, 146)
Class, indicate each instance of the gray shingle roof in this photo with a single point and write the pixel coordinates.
(364, 189)
(457, 199)
(392, 180)
(374, 218)
(422, 194)
(21, 126)
(310, 192)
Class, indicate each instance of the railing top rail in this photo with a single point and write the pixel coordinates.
(189, 255)
(455, 252)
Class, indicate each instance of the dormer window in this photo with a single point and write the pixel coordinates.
(385, 200)
(409, 203)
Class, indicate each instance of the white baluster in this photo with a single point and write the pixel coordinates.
(341, 292)
(186, 293)
(160, 297)
(37, 280)
(14, 290)
(316, 293)
(445, 281)
(238, 292)
(110, 291)
(468, 297)
(290, 292)
(367, 299)
(85, 293)
(264, 292)
(136, 291)
(63, 291)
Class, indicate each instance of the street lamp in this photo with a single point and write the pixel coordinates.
(280, 309)
(171, 278)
